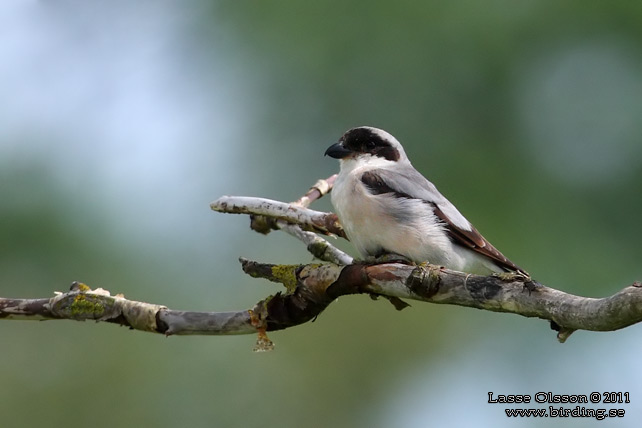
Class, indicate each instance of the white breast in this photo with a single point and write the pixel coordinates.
(376, 223)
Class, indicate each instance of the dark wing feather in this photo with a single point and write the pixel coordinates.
(475, 241)
(413, 185)
(377, 185)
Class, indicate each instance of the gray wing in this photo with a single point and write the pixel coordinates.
(409, 183)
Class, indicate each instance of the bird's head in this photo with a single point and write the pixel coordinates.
(367, 144)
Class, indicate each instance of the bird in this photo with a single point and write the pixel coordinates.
(387, 207)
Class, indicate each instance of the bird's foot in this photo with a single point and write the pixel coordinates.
(523, 277)
(388, 258)
(513, 276)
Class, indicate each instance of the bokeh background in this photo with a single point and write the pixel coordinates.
(120, 122)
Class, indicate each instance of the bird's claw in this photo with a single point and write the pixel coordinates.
(389, 258)
(520, 276)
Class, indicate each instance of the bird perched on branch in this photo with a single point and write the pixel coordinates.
(387, 207)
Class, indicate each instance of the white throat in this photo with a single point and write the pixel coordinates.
(365, 162)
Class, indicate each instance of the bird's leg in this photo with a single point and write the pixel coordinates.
(386, 257)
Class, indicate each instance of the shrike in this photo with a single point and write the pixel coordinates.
(387, 207)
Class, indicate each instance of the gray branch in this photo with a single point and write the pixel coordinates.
(81, 303)
(293, 218)
(310, 288)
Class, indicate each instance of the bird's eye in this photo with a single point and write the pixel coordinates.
(370, 145)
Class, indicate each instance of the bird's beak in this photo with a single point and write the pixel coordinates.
(337, 151)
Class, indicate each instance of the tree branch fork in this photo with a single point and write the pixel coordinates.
(310, 288)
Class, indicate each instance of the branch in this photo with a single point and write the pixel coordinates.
(319, 285)
(307, 219)
(81, 303)
(310, 288)
(319, 247)
(294, 218)
(318, 190)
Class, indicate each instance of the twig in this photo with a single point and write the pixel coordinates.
(319, 247)
(81, 303)
(318, 190)
(267, 215)
(310, 220)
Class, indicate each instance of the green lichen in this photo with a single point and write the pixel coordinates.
(81, 286)
(85, 306)
(286, 275)
(318, 249)
(254, 274)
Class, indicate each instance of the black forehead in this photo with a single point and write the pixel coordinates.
(357, 137)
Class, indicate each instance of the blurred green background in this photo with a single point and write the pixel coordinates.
(121, 121)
